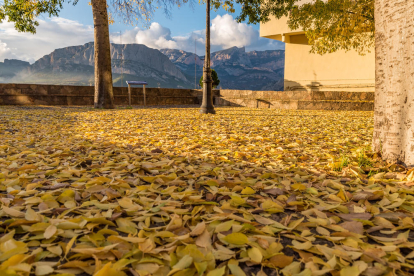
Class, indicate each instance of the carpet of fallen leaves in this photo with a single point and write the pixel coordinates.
(167, 191)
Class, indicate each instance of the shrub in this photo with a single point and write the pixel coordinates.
(215, 78)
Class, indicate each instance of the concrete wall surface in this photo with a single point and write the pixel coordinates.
(298, 100)
(339, 71)
(277, 28)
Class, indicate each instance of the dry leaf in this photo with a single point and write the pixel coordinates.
(217, 272)
(50, 231)
(204, 240)
(236, 238)
(255, 255)
(12, 212)
(353, 226)
(43, 270)
(199, 229)
(235, 268)
(281, 260)
(140, 189)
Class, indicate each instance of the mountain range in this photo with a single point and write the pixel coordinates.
(236, 68)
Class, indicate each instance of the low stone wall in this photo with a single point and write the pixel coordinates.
(37, 94)
(299, 100)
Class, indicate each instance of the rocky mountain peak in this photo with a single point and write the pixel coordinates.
(15, 62)
(127, 53)
(236, 68)
(180, 56)
(234, 56)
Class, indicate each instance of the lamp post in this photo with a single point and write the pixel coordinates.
(207, 106)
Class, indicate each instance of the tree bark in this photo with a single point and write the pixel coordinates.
(394, 92)
(104, 97)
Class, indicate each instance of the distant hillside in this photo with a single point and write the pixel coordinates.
(10, 67)
(236, 68)
(75, 66)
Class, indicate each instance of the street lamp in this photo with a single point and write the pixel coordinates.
(207, 106)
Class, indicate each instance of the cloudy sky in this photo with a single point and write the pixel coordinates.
(181, 31)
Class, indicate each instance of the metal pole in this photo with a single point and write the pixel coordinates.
(122, 61)
(129, 94)
(207, 106)
(145, 96)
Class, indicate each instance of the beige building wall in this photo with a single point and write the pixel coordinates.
(339, 71)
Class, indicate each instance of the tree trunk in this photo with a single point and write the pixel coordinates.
(394, 92)
(104, 96)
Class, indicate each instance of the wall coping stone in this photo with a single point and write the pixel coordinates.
(35, 94)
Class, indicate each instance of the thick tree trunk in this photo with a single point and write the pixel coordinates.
(394, 93)
(104, 96)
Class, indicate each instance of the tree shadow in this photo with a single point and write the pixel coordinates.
(291, 85)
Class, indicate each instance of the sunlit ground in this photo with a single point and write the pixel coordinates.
(167, 191)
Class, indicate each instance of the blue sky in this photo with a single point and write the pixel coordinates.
(186, 26)
(184, 20)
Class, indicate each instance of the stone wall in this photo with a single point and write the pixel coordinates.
(36, 94)
(299, 100)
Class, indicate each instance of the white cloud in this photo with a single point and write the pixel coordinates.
(225, 33)
(159, 37)
(50, 35)
(4, 50)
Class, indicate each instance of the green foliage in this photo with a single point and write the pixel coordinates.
(336, 25)
(256, 11)
(23, 13)
(329, 25)
(343, 163)
(371, 173)
(363, 160)
(215, 78)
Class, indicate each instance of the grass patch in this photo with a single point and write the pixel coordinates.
(363, 160)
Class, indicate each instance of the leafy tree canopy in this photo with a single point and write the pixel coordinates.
(330, 25)
(214, 76)
(24, 12)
